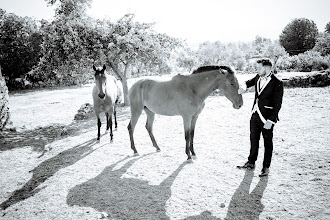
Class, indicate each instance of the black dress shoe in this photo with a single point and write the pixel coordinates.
(248, 165)
(264, 172)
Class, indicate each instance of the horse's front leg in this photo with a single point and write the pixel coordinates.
(98, 128)
(188, 138)
(192, 133)
(187, 134)
(110, 126)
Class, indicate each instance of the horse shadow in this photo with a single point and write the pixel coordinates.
(245, 205)
(124, 198)
(47, 169)
(38, 138)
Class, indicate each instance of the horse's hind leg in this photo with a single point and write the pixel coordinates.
(135, 114)
(149, 125)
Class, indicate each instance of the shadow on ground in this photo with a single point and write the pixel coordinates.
(47, 169)
(206, 215)
(124, 198)
(245, 205)
(40, 137)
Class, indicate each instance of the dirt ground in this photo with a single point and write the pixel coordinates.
(52, 167)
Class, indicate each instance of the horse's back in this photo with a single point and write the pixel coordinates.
(159, 96)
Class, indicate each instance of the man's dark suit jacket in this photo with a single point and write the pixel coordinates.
(269, 97)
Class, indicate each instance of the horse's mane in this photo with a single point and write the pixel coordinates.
(202, 69)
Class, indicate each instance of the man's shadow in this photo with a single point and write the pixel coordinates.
(124, 198)
(245, 205)
(47, 169)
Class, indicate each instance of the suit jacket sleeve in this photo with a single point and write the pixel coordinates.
(277, 101)
(251, 82)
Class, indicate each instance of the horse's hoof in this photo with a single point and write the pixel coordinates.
(158, 150)
(194, 157)
(136, 154)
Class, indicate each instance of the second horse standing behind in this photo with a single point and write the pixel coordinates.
(107, 92)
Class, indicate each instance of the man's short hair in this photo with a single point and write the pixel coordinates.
(265, 62)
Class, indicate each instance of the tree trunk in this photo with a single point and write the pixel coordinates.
(124, 82)
(123, 78)
(125, 90)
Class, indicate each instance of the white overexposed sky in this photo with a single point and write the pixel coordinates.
(198, 20)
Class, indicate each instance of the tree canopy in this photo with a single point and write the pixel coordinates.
(299, 36)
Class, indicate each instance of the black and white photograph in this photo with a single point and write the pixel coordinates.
(164, 110)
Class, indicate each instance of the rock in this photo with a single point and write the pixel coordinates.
(5, 122)
(84, 112)
(222, 205)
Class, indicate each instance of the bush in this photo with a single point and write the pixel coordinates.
(305, 62)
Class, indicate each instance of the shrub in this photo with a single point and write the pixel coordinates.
(305, 62)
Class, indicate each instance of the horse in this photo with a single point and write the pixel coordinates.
(106, 93)
(181, 95)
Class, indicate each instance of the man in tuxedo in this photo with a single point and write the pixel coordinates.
(266, 106)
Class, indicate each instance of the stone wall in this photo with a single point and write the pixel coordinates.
(5, 121)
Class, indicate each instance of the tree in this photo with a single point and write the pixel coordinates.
(327, 28)
(274, 51)
(68, 44)
(323, 44)
(259, 45)
(299, 36)
(130, 42)
(70, 7)
(187, 59)
(20, 40)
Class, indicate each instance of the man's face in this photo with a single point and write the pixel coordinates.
(263, 70)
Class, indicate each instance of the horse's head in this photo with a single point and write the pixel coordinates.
(100, 80)
(230, 86)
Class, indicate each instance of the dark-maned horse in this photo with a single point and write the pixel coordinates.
(106, 92)
(182, 95)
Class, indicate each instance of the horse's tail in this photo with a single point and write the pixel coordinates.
(120, 92)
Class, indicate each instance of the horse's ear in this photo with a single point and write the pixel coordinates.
(94, 68)
(104, 67)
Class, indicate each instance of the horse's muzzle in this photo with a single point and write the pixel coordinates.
(101, 96)
(239, 104)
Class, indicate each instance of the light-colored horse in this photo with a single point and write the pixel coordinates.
(106, 92)
(182, 95)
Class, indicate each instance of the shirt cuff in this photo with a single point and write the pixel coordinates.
(271, 121)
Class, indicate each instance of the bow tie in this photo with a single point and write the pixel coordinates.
(264, 77)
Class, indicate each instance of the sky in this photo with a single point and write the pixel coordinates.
(197, 21)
